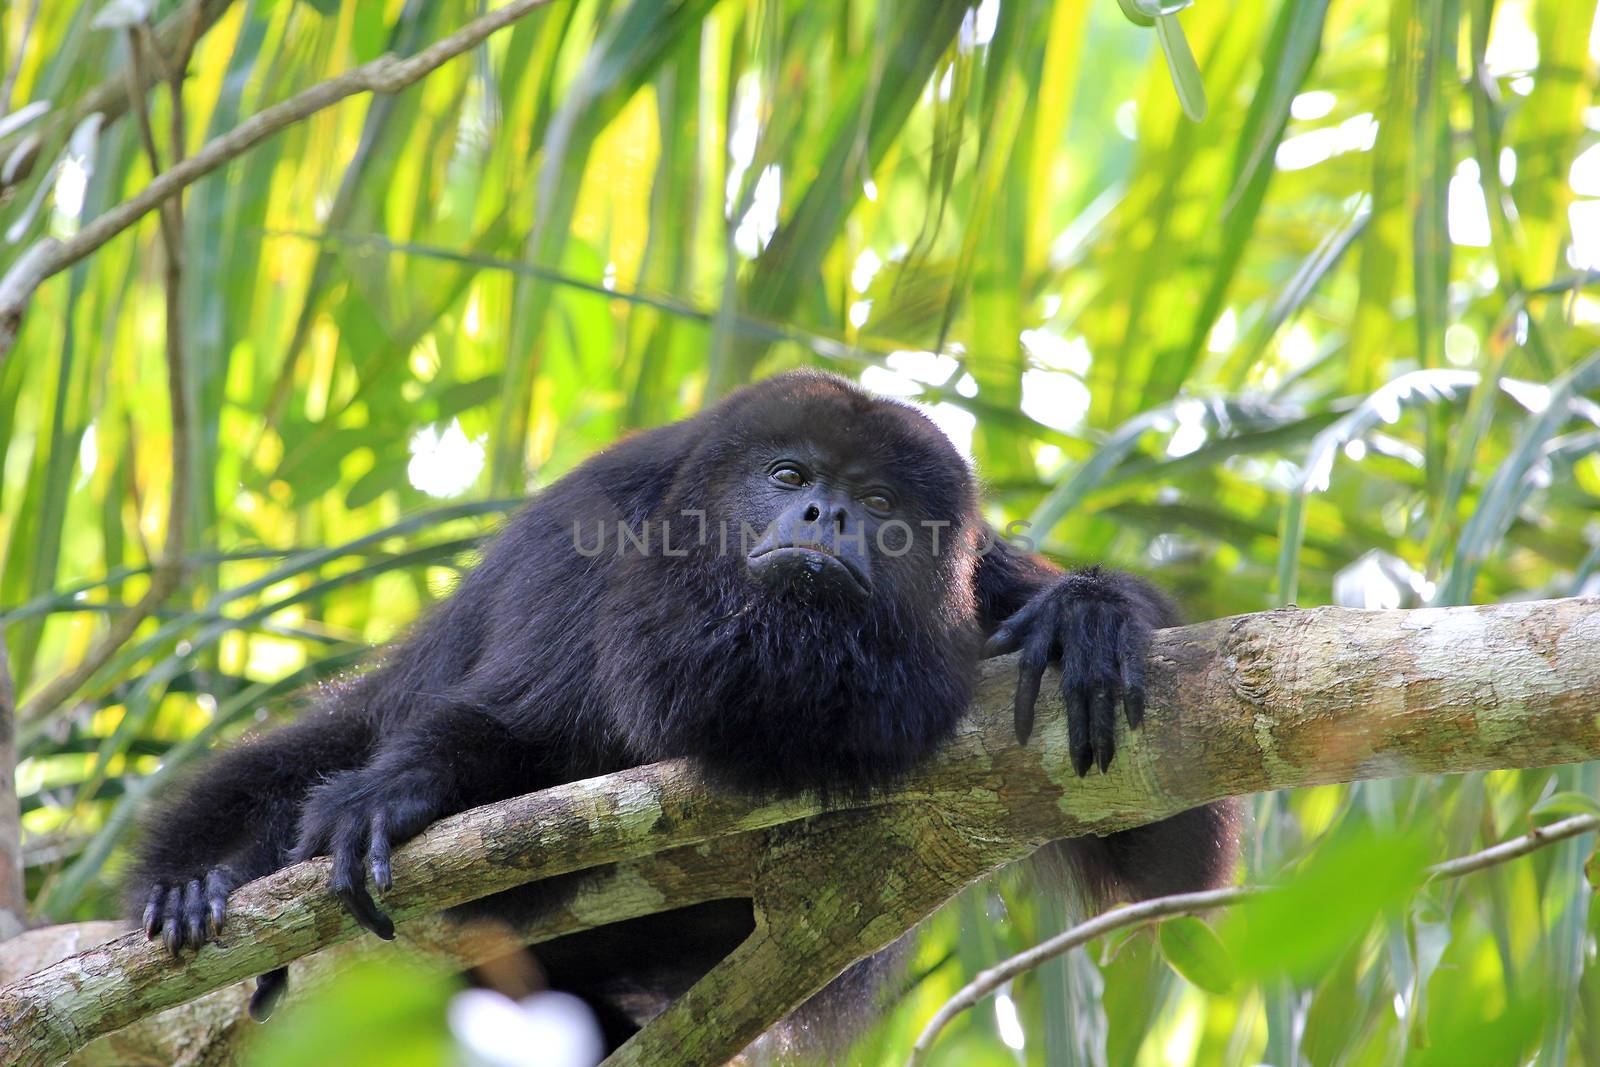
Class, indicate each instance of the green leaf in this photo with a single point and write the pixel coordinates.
(1498, 503)
(1383, 407)
(1560, 805)
(1180, 62)
(1326, 906)
(1131, 11)
(1195, 951)
(385, 475)
(384, 1013)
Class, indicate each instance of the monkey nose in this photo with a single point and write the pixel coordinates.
(837, 517)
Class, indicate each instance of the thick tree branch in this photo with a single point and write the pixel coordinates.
(1276, 700)
(207, 1030)
(386, 74)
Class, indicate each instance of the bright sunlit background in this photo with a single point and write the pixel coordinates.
(1334, 344)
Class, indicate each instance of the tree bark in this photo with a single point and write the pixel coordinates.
(210, 1031)
(1269, 701)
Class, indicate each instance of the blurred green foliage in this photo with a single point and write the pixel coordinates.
(1335, 343)
(376, 1014)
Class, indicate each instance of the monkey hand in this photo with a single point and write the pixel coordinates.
(358, 817)
(1096, 625)
(187, 913)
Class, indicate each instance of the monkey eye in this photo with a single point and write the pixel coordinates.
(879, 502)
(788, 474)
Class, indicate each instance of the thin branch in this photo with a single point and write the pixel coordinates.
(386, 74)
(137, 79)
(167, 575)
(27, 273)
(1518, 846)
(990, 980)
(142, 34)
(135, 73)
(176, 72)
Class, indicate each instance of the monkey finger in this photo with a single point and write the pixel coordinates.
(270, 988)
(151, 919)
(1030, 674)
(1132, 695)
(349, 881)
(1134, 640)
(1027, 698)
(1133, 705)
(1008, 636)
(1011, 634)
(1080, 742)
(171, 927)
(359, 903)
(1077, 684)
(218, 886)
(1000, 643)
(1103, 724)
(378, 850)
(194, 912)
(314, 840)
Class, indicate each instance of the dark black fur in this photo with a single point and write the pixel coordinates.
(569, 651)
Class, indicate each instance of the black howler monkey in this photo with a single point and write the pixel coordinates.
(792, 588)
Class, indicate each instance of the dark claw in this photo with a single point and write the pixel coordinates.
(1013, 633)
(349, 885)
(1133, 705)
(1082, 759)
(361, 905)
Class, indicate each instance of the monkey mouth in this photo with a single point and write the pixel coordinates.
(807, 566)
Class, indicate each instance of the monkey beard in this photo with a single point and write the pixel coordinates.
(779, 690)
